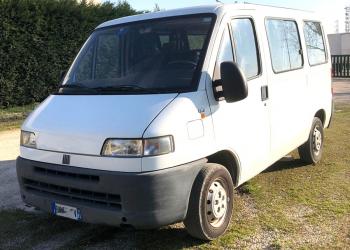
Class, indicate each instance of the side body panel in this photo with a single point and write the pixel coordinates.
(260, 133)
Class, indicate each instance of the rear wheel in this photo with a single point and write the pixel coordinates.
(311, 151)
(210, 206)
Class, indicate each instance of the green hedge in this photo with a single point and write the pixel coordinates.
(40, 38)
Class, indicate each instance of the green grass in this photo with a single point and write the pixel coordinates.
(12, 118)
(290, 205)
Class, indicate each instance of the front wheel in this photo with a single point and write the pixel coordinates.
(311, 151)
(210, 206)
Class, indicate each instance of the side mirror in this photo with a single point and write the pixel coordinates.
(234, 84)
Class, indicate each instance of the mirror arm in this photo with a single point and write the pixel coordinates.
(218, 90)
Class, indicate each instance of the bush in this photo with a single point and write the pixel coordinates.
(40, 38)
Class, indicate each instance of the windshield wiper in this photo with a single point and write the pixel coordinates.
(75, 85)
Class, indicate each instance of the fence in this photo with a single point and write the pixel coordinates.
(341, 65)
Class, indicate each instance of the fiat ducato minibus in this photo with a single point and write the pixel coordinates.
(162, 115)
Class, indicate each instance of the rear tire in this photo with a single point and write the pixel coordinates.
(210, 206)
(311, 151)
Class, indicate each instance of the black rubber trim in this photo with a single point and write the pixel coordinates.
(332, 115)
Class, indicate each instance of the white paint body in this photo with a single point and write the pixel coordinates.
(257, 133)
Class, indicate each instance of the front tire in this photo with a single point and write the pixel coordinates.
(311, 151)
(211, 201)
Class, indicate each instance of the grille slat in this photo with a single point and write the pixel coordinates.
(59, 173)
(86, 196)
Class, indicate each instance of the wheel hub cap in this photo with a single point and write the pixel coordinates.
(317, 136)
(217, 202)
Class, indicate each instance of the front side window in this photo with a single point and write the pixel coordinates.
(164, 55)
(284, 43)
(246, 52)
(314, 42)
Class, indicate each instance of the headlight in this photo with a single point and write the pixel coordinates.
(118, 147)
(138, 147)
(28, 139)
(158, 146)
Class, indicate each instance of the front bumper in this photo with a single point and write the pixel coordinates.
(142, 200)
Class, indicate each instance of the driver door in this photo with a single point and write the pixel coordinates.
(244, 126)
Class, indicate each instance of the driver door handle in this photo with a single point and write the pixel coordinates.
(264, 93)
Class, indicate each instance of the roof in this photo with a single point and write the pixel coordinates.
(216, 8)
(160, 14)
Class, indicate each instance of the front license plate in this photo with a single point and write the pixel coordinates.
(66, 211)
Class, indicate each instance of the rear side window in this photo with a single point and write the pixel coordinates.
(314, 42)
(246, 52)
(284, 43)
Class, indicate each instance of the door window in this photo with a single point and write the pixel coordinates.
(245, 47)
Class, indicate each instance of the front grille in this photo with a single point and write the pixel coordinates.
(60, 173)
(104, 200)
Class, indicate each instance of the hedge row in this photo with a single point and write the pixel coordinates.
(40, 38)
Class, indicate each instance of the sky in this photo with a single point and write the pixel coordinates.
(330, 10)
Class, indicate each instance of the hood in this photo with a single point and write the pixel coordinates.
(81, 124)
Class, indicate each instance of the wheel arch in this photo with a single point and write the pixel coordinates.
(230, 161)
(321, 114)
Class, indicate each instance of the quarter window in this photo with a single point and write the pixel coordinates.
(246, 53)
(284, 43)
(314, 42)
(225, 54)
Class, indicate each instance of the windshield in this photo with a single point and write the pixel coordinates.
(159, 55)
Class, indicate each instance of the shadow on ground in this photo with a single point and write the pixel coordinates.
(23, 230)
(285, 164)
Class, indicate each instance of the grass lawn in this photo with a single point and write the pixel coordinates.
(12, 118)
(290, 205)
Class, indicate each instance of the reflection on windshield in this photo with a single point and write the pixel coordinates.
(163, 54)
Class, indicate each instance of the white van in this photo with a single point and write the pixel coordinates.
(162, 115)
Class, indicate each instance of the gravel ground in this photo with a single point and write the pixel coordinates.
(9, 145)
(9, 150)
(9, 191)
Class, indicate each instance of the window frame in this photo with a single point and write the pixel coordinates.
(324, 43)
(268, 41)
(257, 45)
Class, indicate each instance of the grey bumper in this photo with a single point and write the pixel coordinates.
(142, 200)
